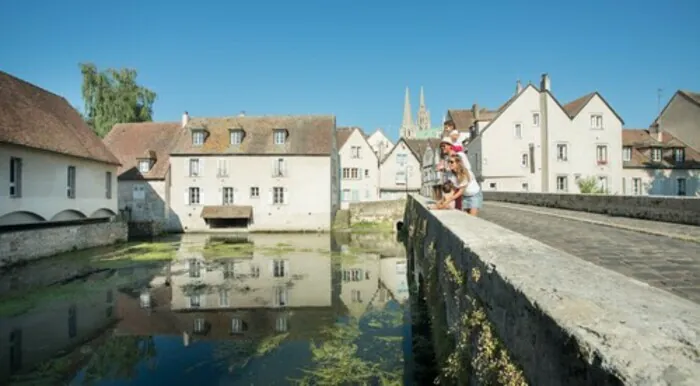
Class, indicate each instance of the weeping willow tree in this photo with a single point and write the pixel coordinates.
(113, 96)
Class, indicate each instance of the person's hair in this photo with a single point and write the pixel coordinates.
(461, 171)
(448, 187)
(449, 124)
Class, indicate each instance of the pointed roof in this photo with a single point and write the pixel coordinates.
(574, 107)
(407, 119)
(342, 134)
(692, 97)
(422, 97)
(418, 146)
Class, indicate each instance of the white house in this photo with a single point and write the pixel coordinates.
(144, 177)
(53, 167)
(265, 173)
(582, 139)
(431, 178)
(657, 163)
(681, 118)
(380, 143)
(400, 171)
(359, 175)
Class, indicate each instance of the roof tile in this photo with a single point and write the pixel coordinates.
(132, 141)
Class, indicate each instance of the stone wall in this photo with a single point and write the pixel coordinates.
(507, 309)
(145, 229)
(680, 210)
(33, 244)
(377, 211)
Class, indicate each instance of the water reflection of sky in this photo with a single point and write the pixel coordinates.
(256, 310)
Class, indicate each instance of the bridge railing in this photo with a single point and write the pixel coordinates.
(679, 210)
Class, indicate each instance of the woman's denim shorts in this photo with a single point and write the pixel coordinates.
(473, 202)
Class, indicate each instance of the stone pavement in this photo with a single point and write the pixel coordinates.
(644, 250)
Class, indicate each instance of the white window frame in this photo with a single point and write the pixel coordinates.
(536, 119)
(562, 152)
(525, 187)
(195, 301)
(194, 167)
(627, 153)
(221, 167)
(144, 165)
(237, 326)
(227, 195)
(194, 197)
(71, 181)
(254, 192)
(200, 325)
(355, 152)
(108, 185)
(636, 186)
(601, 154)
(236, 137)
(279, 137)
(223, 298)
(597, 121)
(524, 160)
(657, 154)
(278, 195)
(15, 177)
(282, 323)
(281, 298)
(197, 138)
(679, 155)
(562, 184)
(518, 130)
(603, 183)
(279, 167)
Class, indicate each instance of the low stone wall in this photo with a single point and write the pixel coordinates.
(37, 243)
(507, 309)
(144, 229)
(376, 211)
(680, 210)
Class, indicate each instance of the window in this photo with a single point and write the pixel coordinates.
(355, 152)
(279, 169)
(518, 130)
(227, 198)
(345, 195)
(229, 270)
(603, 183)
(144, 165)
(536, 119)
(355, 195)
(197, 138)
(279, 137)
(145, 299)
(15, 177)
(401, 159)
(282, 323)
(280, 299)
(237, 326)
(236, 137)
(636, 186)
(194, 167)
(596, 121)
(279, 268)
(680, 187)
(493, 186)
(679, 155)
(351, 173)
(355, 274)
(254, 271)
(366, 173)
(562, 184)
(278, 195)
(223, 298)
(401, 177)
(562, 152)
(194, 267)
(108, 185)
(356, 296)
(524, 160)
(627, 153)
(222, 167)
(70, 189)
(656, 154)
(601, 154)
(195, 301)
(254, 192)
(194, 196)
(200, 325)
(525, 187)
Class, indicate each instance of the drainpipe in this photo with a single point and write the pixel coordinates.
(544, 132)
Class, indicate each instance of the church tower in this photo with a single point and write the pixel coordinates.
(408, 129)
(423, 113)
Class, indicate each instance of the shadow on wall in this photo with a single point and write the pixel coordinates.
(141, 202)
(679, 182)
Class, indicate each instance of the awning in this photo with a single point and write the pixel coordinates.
(227, 212)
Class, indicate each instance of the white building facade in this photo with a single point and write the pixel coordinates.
(400, 172)
(359, 167)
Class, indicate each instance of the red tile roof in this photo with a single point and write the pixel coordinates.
(131, 141)
(33, 117)
(641, 141)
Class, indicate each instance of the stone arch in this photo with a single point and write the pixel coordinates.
(102, 213)
(20, 217)
(68, 215)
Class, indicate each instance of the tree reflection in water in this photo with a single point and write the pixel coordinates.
(118, 357)
(359, 352)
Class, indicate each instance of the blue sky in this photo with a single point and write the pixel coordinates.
(355, 58)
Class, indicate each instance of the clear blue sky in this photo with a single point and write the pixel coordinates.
(355, 58)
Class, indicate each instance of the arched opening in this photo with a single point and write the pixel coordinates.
(103, 213)
(68, 215)
(21, 217)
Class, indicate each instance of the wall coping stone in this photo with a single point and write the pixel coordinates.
(637, 333)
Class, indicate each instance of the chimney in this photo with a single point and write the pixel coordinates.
(518, 87)
(185, 119)
(475, 111)
(545, 84)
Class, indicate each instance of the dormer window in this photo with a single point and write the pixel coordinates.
(280, 136)
(235, 136)
(627, 153)
(656, 154)
(679, 155)
(144, 165)
(197, 137)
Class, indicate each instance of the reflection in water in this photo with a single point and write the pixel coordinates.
(224, 310)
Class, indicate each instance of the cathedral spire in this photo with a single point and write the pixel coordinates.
(407, 119)
(422, 97)
(423, 121)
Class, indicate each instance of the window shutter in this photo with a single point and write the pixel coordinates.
(201, 172)
(284, 167)
(286, 196)
(187, 196)
(272, 268)
(186, 163)
(286, 269)
(274, 160)
(270, 198)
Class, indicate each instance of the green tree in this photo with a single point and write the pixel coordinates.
(113, 96)
(589, 185)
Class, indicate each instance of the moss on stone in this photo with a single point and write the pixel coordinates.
(372, 226)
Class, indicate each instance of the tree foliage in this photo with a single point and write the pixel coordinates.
(590, 185)
(113, 96)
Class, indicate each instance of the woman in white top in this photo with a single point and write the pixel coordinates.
(468, 189)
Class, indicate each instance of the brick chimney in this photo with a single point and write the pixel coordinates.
(475, 111)
(185, 119)
(545, 84)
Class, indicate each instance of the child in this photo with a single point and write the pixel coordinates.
(448, 188)
(456, 145)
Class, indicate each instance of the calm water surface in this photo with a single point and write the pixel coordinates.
(212, 310)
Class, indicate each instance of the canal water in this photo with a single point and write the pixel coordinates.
(203, 310)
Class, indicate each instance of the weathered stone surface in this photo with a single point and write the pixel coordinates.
(376, 211)
(564, 320)
(664, 262)
(681, 210)
(37, 243)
